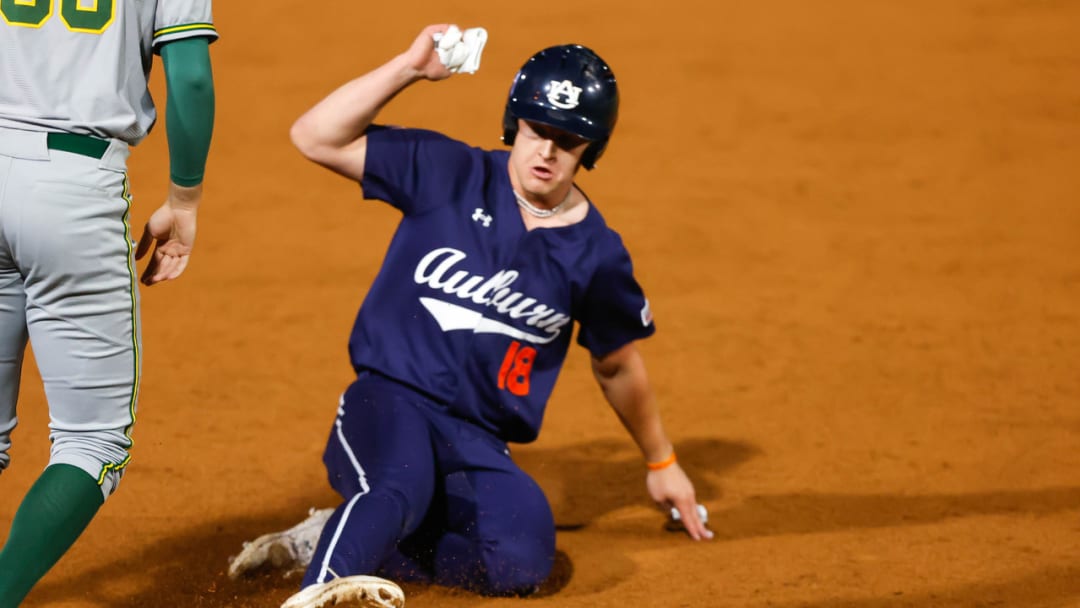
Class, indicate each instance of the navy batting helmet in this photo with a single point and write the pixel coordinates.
(568, 87)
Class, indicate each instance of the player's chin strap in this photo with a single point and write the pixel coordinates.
(460, 51)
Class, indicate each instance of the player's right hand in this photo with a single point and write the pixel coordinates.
(422, 57)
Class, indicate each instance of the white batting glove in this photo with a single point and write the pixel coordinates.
(460, 51)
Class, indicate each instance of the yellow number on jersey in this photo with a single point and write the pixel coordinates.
(33, 13)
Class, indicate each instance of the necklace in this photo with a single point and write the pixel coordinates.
(535, 211)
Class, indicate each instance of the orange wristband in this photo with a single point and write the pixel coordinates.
(663, 464)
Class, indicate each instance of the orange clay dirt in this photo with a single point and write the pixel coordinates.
(859, 227)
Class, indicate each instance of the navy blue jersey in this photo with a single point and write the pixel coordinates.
(471, 308)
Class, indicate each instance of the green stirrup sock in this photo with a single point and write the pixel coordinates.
(53, 514)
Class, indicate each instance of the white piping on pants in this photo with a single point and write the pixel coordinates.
(364, 489)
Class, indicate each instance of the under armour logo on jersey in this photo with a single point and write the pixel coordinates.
(480, 216)
(563, 94)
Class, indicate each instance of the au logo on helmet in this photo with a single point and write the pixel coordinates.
(558, 91)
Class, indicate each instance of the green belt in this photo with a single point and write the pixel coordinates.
(77, 144)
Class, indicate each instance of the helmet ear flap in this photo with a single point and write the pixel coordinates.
(510, 128)
(592, 154)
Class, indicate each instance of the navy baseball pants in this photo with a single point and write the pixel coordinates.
(429, 498)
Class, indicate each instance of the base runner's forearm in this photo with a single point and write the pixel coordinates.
(625, 384)
(189, 113)
(641, 418)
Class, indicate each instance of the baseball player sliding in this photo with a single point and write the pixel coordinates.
(462, 334)
(73, 98)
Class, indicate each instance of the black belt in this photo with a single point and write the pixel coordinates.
(77, 144)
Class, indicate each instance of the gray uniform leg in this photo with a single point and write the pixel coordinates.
(65, 219)
(12, 328)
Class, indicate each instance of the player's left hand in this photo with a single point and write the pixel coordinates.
(670, 487)
(171, 229)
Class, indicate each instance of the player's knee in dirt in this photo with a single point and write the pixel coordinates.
(514, 568)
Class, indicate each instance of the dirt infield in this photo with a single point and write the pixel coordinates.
(859, 229)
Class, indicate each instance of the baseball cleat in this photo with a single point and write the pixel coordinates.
(358, 591)
(290, 549)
